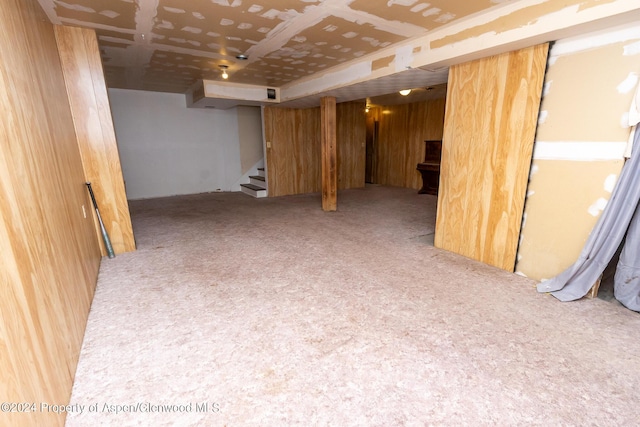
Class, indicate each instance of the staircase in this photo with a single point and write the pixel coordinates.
(257, 186)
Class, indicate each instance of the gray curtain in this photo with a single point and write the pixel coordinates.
(620, 214)
(627, 278)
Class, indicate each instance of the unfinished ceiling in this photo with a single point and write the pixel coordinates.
(166, 45)
(350, 49)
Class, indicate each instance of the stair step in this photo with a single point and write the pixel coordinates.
(261, 172)
(251, 187)
(253, 190)
(258, 181)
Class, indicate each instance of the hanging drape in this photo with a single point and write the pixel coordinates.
(620, 214)
(627, 278)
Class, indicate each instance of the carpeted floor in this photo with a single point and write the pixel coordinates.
(269, 312)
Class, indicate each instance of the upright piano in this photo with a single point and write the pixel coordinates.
(430, 168)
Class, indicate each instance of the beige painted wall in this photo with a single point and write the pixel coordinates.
(250, 135)
(578, 153)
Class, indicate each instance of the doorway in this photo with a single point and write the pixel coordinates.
(371, 148)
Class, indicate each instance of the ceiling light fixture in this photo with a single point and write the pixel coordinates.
(405, 92)
(224, 71)
(242, 57)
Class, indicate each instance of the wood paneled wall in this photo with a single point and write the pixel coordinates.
(293, 159)
(49, 252)
(91, 112)
(293, 150)
(401, 135)
(351, 134)
(490, 124)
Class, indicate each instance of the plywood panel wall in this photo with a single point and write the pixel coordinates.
(293, 148)
(490, 122)
(402, 132)
(91, 112)
(351, 137)
(49, 252)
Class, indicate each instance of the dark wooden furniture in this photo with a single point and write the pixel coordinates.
(430, 168)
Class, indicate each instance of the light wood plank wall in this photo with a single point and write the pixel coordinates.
(91, 112)
(293, 159)
(401, 134)
(490, 123)
(49, 252)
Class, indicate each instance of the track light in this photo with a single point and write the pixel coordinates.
(224, 71)
(405, 92)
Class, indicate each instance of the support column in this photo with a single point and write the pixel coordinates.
(329, 154)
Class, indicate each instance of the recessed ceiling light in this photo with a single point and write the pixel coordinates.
(405, 92)
(242, 57)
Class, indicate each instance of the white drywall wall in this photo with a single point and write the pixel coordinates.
(167, 149)
(250, 134)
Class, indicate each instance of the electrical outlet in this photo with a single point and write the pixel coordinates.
(268, 144)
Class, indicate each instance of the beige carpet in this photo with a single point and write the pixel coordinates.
(274, 313)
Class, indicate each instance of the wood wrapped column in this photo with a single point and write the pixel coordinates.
(329, 154)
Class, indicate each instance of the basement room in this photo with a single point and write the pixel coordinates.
(319, 212)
